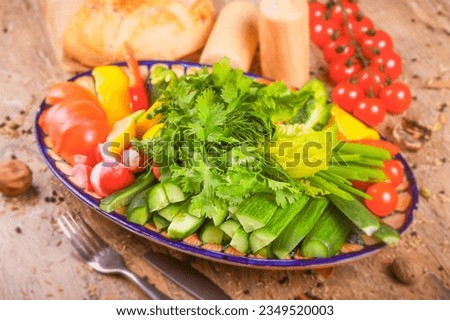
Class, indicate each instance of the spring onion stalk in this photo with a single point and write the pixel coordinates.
(366, 151)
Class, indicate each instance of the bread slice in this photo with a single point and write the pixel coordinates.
(156, 29)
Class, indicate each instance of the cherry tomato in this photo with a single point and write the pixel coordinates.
(371, 80)
(347, 95)
(384, 199)
(396, 97)
(393, 170)
(322, 31)
(316, 10)
(109, 177)
(339, 48)
(371, 111)
(357, 25)
(376, 43)
(388, 62)
(337, 11)
(156, 173)
(68, 90)
(343, 69)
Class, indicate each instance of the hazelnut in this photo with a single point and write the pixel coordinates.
(15, 177)
(405, 269)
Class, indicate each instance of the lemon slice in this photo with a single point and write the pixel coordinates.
(351, 128)
(153, 131)
(121, 135)
(148, 120)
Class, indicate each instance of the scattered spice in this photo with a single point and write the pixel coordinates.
(442, 107)
(18, 230)
(425, 193)
(283, 280)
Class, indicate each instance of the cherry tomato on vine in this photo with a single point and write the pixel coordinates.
(393, 170)
(343, 69)
(384, 199)
(316, 10)
(371, 80)
(388, 62)
(357, 25)
(371, 111)
(347, 95)
(322, 31)
(396, 97)
(337, 11)
(375, 43)
(339, 48)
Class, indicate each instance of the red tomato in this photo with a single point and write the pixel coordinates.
(371, 111)
(81, 173)
(393, 170)
(322, 30)
(337, 11)
(371, 80)
(82, 139)
(109, 177)
(396, 97)
(384, 199)
(388, 62)
(347, 95)
(361, 185)
(339, 48)
(156, 173)
(375, 44)
(357, 25)
(69, 90)
(316, 10)
(343, 69)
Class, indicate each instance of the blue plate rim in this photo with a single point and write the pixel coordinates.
(199, 251)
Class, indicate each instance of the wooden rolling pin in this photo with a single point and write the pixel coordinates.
(234, 36)
(284, 40)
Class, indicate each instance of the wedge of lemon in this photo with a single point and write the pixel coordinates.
(148, 119)
(121, 135)
(351, 128)
(153, 131)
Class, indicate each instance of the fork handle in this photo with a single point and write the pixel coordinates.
(143, 284)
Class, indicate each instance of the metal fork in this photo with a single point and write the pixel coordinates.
(99, 255)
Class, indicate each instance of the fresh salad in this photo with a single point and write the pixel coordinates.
(246, 164)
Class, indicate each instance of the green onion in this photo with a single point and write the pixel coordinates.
(366, 151)
(330, 187)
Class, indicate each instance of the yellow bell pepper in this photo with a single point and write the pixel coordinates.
(148, 119)
(351, 128)
(111, 84)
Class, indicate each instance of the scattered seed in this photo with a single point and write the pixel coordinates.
(8, 118)
(18, 230)
(425, 193)
(13, 156)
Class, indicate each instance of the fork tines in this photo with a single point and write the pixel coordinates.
(81, 235)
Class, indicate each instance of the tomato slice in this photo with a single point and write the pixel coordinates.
(69, 90)
(109, 177)
(81, 174)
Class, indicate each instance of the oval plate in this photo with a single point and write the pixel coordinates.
(60, 170)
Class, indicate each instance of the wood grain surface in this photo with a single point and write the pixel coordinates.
(37, 262)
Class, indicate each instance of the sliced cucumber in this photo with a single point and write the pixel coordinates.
(123, 197)
(160, 222)
(183, 225)
(230, 227)
(210, 233)
(265, 252)
(172, 210)
(299, 227)
(173, 192)
(157, 198)
(240, 240)
(256, 211)
(281, 218)
(328, 235)
(138, 211)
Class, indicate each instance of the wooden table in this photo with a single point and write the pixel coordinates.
(37, 262)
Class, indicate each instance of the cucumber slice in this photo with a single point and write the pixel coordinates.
(254, 213)
(211, 234)
(157, 198)
(173, 192)
(183, 225)
(160, 222)
(230, 227)
(328, 235)
(357, 213)
(265, 252)
(388, 235)
(123, 197)
(138, 210)
(281, 218)
(299, 227)
(172, 210)
(240, 240)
